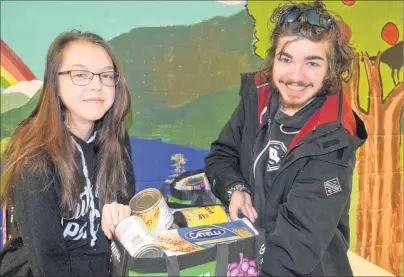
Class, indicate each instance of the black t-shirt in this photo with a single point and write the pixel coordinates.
(282, 130)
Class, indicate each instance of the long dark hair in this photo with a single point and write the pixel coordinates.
(43, 143)
(340, 54)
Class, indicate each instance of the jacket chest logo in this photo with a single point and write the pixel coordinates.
(276, 151)
(332, 186)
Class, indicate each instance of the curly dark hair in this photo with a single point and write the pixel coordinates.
(340, 54)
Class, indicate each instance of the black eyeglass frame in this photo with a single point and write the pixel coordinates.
(116, 75)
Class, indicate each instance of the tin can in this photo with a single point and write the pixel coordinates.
(136, 238)
(206, 215)
(150, 206)
(195, 182)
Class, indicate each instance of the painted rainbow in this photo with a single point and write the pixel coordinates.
(13, 69)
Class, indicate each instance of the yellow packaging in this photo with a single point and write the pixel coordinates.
(200, 216)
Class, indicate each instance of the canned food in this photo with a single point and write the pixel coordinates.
(194, 182)
(150, 206)
(200, 216)
(136, 238)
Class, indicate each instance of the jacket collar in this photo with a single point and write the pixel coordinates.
(336, 108)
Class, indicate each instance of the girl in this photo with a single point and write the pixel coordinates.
(68, 164)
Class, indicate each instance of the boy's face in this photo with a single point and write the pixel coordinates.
(299, 70)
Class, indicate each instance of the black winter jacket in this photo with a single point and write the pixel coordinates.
(305, 213)
(47, 244)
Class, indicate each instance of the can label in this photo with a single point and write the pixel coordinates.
(195, 182)
(136, 238)
(204, 215)
(150, 206)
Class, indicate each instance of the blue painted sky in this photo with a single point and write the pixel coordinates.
(29, 27)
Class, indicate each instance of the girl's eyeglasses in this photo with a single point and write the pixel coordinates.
(84, 77)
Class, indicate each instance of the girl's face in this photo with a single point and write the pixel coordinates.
(87, 98)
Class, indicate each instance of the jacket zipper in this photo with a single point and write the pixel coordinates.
(265, 148)
(262, 206)
(300, 143)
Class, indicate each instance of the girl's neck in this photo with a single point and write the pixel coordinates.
(82, 130)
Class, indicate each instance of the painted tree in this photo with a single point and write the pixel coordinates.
(376, 96)
(379, 210)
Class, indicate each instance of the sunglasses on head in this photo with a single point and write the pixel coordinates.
(313, 17)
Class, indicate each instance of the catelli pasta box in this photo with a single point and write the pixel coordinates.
(227, 249)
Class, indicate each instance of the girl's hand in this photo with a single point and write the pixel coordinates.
(112, 214)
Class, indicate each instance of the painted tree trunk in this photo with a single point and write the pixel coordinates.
(379, 210)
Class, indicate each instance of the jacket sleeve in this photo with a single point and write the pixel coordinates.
(222, 164)
(39, 224)
(307, 221)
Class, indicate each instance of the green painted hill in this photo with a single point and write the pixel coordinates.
(199, 122)
(168, 67)
(13, 100)
(11, 118)
(183, 80)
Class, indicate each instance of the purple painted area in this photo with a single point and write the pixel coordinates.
(3, 232)
(2, 228)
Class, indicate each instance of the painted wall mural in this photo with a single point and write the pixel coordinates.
(183, 72)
